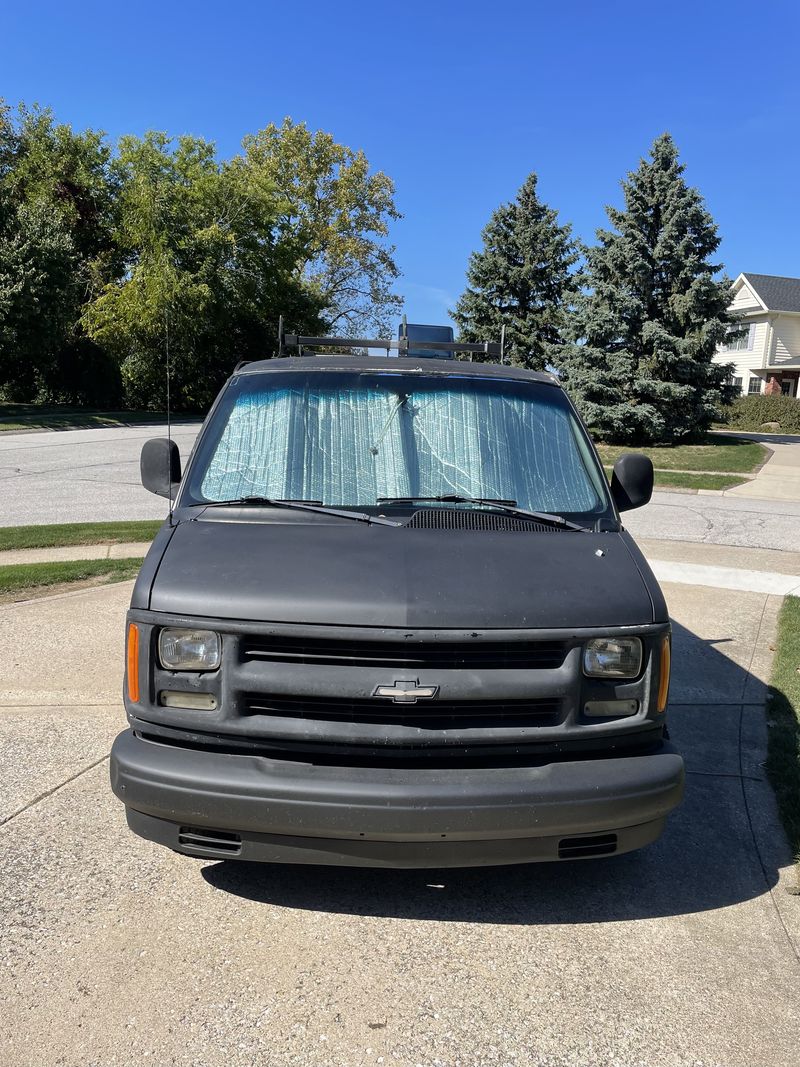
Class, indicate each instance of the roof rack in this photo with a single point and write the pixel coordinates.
(401, 345)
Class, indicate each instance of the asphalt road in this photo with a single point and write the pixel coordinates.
(80, 475)
(114, 951)
(85, 475)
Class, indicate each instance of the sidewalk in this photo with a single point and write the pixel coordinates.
(779, 478)
(131, 550)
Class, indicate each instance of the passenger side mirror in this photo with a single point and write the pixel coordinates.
(160, 466)
(632, 481)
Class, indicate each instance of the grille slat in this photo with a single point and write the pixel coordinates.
(436, 715)
(586, 847)
(461, 655)
(215, 840)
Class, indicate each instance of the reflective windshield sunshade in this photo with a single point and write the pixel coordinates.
(350, 438)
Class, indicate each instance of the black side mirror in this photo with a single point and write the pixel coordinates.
(160, 466)
(632, 481)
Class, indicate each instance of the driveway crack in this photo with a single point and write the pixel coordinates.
(50, 792)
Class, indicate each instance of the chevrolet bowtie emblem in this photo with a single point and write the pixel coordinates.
(407, 692)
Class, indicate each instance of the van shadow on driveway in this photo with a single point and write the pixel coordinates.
(707, 858)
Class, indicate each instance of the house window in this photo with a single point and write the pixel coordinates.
(754, 385)
(737, 382)
(786, 387)
(742, 343)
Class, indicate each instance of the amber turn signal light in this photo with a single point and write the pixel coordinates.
(132, 662)
(663, 680)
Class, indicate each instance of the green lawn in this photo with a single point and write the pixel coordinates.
(63, 417)
(682, 480)
(718, 453)
(76, 533)
(23, 580)
(783, 716)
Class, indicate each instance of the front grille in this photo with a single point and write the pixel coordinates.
(435, 715)
(439, 655)
(470, 519)
(491, 753)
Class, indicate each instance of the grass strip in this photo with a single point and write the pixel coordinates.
(20, 580)
(63, 417)
(716, 453)
(76, 533)
(682, 480)
(783, 718)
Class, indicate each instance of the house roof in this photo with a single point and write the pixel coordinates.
(775, 292)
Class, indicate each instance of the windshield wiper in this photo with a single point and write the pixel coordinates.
(299, 505)
(508, 506)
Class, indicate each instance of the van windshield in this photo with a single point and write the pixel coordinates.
(349, 438)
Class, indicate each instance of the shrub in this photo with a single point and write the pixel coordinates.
(751, 412)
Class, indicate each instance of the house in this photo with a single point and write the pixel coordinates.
(766, 356)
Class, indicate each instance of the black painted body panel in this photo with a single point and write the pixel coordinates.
(342, 573)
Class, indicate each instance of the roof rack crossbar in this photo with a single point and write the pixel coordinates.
(292, 340)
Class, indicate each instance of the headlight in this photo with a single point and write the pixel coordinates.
(189, 650)
(612, 657)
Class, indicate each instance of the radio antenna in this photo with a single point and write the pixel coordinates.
(169, 416)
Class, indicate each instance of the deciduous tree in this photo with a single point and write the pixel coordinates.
(206, 272)
(56, 247)
(335, 213)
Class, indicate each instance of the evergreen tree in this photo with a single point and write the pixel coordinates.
(646, 329)
(522, 279)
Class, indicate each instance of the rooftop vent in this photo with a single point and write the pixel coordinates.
(416, 332)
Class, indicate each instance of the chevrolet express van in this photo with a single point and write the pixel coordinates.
(394, 619)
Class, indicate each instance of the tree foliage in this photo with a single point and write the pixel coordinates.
(522, 279)
(56, 247)
(335, 214)
(645, 330)
(108, 257)
(204, 274)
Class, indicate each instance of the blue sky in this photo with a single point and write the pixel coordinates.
(458, 102)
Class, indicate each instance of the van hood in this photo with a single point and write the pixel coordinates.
(350, 574)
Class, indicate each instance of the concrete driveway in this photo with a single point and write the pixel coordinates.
(115, 951)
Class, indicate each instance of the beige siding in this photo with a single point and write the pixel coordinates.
(786, 346)
(744, 300)
(745, 359)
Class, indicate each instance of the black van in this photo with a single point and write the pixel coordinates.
(394, 620)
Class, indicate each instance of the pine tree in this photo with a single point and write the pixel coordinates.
(522, 279)
(645, 330)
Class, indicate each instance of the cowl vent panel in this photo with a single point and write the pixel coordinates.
(475, 519)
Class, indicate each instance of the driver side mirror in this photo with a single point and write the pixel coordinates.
(632, 481)
(160, 466)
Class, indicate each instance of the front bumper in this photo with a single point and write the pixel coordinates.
(224, 806)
